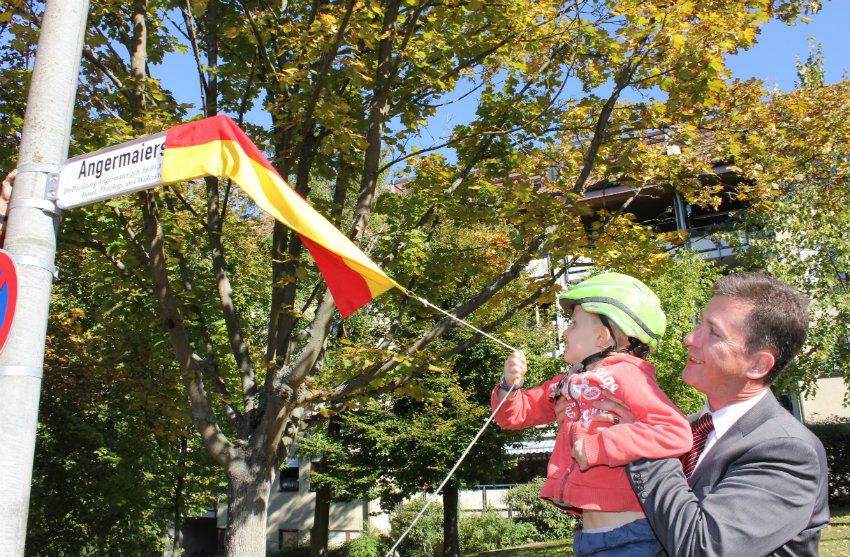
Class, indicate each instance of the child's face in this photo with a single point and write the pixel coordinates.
(584, 336)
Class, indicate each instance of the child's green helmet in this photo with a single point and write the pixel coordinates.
(624, 300)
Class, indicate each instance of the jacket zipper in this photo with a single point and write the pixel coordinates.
(571, 437)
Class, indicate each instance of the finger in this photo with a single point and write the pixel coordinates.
(612, 398)
(516, 363)
(609, 406)
(606, 417)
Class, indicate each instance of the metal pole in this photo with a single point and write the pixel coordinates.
(31, 242)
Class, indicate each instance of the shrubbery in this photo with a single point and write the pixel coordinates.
(550, 522)
(488, 530)
(371, 543)
(425, 536)
(477, 531)
(835, 436)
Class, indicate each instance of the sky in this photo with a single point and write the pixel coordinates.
(772, 59)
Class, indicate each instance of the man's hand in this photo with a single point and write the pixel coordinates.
(8, 182)
(614, 411)
(5, 196)
(580, 456)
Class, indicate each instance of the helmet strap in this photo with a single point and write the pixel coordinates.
(580, 367)
(608, 326)
(593, 358)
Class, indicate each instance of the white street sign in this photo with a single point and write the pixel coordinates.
(117, 170)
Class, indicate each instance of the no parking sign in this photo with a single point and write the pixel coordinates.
(8, 296)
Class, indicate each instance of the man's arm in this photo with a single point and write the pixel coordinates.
(659, 430)
(764, 499)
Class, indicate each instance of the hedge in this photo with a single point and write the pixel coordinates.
(835, 436)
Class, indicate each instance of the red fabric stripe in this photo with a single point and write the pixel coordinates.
(216, 128)
(348, 287)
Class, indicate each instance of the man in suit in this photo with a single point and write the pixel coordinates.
(756, 481)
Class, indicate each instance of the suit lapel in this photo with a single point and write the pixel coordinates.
(714, 463)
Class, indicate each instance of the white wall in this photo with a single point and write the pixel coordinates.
(827, 403)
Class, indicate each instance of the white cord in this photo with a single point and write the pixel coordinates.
(433, 497)
(459, 320)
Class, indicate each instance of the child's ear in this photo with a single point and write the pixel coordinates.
(603, 337)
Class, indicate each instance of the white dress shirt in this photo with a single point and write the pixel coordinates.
(724, 419)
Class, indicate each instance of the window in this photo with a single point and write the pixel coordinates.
(289, 478)
(287, 539)
(337, 538)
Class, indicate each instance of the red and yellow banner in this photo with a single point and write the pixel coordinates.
(217, 147)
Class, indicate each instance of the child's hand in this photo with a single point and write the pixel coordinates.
(515, 368)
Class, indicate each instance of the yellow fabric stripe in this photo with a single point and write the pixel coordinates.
(225, 158)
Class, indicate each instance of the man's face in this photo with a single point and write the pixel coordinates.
(717, 360)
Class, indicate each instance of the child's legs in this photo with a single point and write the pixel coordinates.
(634, 539)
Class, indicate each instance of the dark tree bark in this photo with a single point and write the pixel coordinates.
(451, 539)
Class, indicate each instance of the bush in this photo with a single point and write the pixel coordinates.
(550, 522)
(425, 536)
(371, 543)
(835, 436)
(477, 532)
(488, 531)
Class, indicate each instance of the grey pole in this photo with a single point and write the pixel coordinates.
(31, 242)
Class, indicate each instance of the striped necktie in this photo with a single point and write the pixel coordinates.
(701, 429)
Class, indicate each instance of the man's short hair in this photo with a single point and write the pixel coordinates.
(778, 321)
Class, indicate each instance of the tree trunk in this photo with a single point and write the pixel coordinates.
(322, 514)
(177, 543)
(451, 540)
(321, 517)
(247, 508)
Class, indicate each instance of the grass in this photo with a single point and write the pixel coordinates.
(834, 541)
(835, 538)
(562, 548)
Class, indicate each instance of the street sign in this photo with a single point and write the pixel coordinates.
(8, 296)
(124, 168)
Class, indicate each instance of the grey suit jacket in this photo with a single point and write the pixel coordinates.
(761, 490)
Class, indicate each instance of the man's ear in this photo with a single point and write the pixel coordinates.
(762, 363)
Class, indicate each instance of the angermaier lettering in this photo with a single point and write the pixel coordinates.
(96, 168)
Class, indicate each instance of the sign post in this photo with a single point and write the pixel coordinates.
(31, 243)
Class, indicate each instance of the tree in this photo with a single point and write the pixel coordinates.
(342, 83)
(403, 443)
(798, 235)
(683, 284)
(117, 462)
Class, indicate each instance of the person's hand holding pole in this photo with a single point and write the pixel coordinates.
(5, 197)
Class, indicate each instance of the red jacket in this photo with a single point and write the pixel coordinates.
(660, 431)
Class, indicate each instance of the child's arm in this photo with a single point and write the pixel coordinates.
(523, 408)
